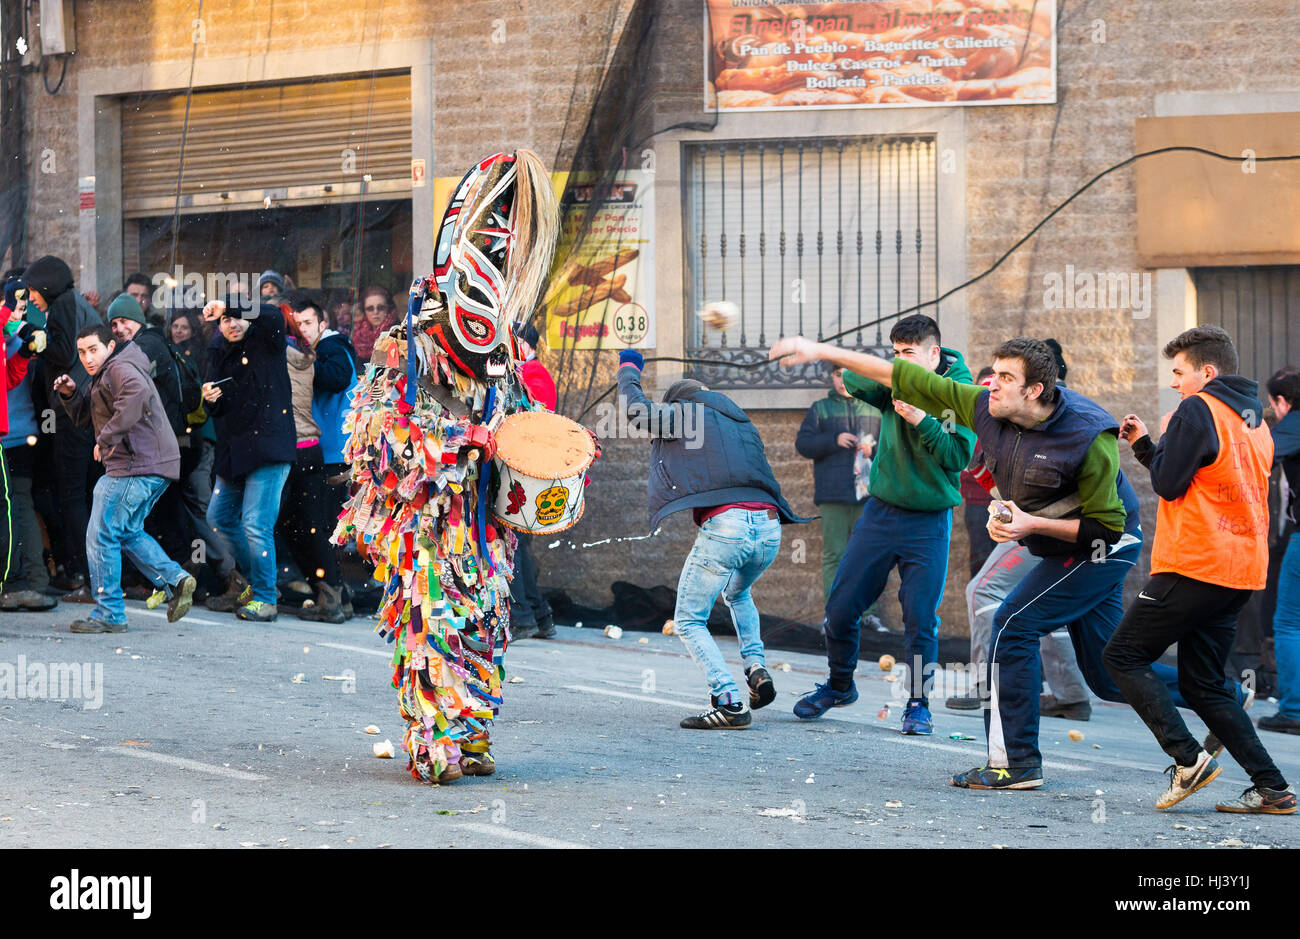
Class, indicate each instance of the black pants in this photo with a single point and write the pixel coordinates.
(8, 534)
(303, 518)
(527, 605)
(168, 522)
(75, 474)
(977, 532)
(1202, 619)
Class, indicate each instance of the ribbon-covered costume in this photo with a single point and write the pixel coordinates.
(421, 448)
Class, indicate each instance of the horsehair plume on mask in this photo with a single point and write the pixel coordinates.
(535, 224)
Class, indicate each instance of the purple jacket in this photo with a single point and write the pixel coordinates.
(131, 426)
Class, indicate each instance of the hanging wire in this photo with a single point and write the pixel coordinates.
(1230, 158)
(180, 166)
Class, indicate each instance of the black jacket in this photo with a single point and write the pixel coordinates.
(709, 456)
(254, 415)
(1190, 442)
(68, 313)
(166, 377)
(1286, 451)
(826, 419)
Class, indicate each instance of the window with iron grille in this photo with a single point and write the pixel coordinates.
(812, 237)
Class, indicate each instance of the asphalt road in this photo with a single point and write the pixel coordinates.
(212, 732)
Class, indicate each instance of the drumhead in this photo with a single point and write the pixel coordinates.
(544, 445)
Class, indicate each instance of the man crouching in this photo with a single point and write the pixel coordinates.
(715, 466)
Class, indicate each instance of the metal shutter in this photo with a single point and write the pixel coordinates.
(1260, 309)
(287, 142)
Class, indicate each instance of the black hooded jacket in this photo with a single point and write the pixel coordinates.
(1190, 442)
(68, 314)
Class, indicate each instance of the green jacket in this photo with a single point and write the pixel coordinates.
(917, 468)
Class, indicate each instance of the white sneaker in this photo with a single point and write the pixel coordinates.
(1184, 780)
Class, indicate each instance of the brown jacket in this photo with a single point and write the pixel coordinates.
(131, 426)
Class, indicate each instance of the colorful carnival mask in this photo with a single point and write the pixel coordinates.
(491, 259)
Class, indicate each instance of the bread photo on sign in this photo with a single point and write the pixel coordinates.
(581, 285)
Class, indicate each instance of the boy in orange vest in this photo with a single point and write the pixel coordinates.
(1210, 470)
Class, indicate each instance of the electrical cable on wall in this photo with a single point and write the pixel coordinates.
(978, 277)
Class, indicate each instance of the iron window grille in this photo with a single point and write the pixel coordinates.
(807, 237)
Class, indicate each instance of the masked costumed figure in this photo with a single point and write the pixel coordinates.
(438, 385)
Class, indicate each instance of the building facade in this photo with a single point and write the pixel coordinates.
(315, 131)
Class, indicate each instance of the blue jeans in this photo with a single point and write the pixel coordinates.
(244, 511)
(117, 516)
(731, 552)
(1286, 632)
(884, 537)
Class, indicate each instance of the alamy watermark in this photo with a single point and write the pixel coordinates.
(57, 681)
(1108, 290)
(677, 420)
(179, 289)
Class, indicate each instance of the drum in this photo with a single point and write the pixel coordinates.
(542, 460)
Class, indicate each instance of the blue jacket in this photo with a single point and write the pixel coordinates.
(22, 411)
(817, 439)
(336, 373)
(708, 456)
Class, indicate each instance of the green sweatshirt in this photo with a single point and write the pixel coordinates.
(917, 468)
(1097, 493)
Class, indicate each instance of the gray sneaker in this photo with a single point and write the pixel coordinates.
(95, 625)
(258, 612)
(27, 601)
(1260, 801)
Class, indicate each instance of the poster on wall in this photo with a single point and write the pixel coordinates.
(878, 54)
(602, 295)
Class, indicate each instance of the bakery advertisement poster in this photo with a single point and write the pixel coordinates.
(878, 54)
(601, 295)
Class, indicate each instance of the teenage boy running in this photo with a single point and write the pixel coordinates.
(906, 523)
(1210, 470)
(1055, 458)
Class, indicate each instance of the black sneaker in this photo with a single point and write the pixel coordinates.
(964, 703)
(522, 631)
(1213, 745)
(762, 690)
(1000, 777)
(721, 717)
(1279, 723)
(1050, 706)
(546, 627)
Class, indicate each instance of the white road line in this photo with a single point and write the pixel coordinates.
(634, 697)
(338, 645)
(187, 619)
(183, 763)
(502, 832)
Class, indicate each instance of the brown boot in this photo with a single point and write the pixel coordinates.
(238, 593)
(450, 774)
(327, 608)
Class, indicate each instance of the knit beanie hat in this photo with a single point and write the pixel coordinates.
(12, 286)
(273, 277)
(126, 307)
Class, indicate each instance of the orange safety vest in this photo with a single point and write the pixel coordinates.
(1217, 532)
